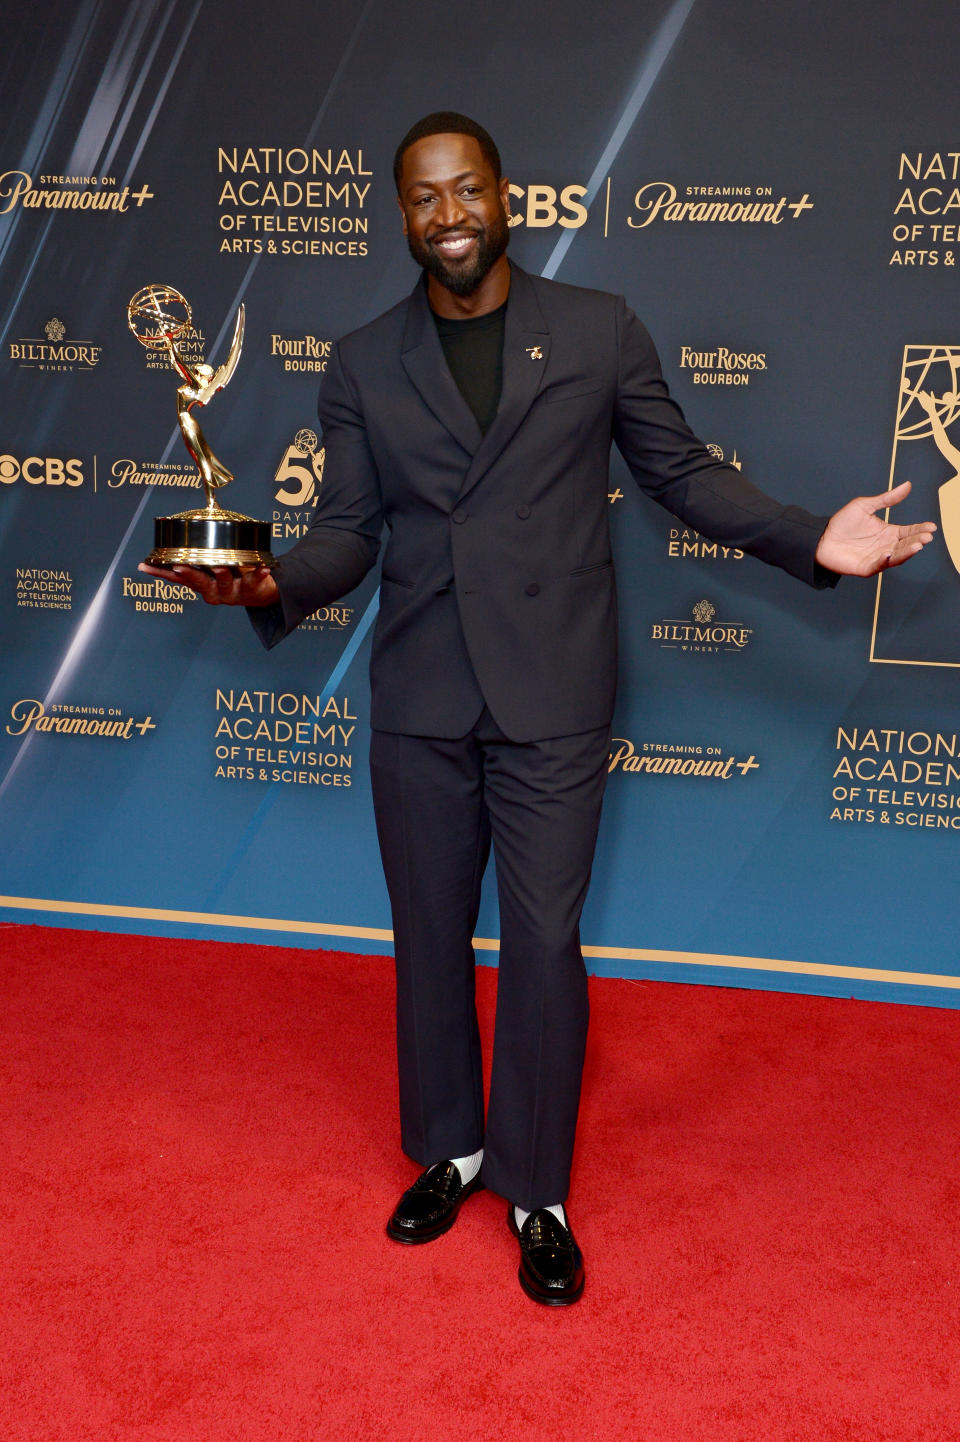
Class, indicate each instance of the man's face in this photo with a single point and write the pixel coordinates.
(454, 210)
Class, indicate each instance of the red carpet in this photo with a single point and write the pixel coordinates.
(200, 1153)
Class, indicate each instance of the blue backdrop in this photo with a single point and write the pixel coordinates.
(775, 191)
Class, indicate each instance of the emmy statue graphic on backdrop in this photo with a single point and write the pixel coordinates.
(939, 407)
(941, 413)
(159, 317)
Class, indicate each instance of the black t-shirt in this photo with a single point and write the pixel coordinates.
(474, 353)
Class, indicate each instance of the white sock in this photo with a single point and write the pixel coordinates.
(521, 1216)
(468, 1166)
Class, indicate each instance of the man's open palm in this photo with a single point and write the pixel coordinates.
(858, 543)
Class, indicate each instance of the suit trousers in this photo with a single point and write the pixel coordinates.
(439, 803)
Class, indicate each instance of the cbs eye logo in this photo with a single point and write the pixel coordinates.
(540, 206)
(41, 470)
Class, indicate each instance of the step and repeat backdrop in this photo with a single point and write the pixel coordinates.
(776, 191)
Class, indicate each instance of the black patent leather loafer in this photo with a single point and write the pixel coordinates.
(429, 1208)
(551, 1264)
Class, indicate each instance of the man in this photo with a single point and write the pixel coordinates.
(475, 419)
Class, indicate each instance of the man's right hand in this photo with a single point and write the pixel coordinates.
(221, 585)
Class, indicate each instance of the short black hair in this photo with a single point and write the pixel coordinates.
(447, 122)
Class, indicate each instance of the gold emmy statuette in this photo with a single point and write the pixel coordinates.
(159, 317)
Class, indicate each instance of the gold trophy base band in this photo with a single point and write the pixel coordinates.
(210, 537)
(190, 556)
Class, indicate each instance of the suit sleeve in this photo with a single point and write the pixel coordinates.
(343, 540)
(676, 469)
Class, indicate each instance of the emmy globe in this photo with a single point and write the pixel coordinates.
(160, 317)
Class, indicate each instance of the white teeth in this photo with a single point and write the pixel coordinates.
(454, 244)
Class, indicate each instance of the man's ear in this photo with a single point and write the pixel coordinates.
(403, 214)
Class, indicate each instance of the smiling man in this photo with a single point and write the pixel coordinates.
(475, 420)
(456, 227)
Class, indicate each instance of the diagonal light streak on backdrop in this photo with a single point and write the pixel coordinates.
(88, 625)
(653, 62)
(48, 115)
(94, 135)
(88, 156)
(160, 95)
(121, 72)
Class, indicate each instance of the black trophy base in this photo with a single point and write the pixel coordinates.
(210, 537)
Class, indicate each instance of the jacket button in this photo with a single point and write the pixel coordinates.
(459, 516)
(533, 589)
(523, 512)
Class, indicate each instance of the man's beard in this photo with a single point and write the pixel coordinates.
(464, 279)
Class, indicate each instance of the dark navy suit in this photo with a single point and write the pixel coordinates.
(494, 671)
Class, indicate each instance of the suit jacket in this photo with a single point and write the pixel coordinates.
(497, 580)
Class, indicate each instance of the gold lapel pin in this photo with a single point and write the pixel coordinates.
(534, 352)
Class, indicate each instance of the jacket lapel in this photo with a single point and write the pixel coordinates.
(526, 349)
(425, 364)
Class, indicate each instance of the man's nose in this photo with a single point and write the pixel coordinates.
(451, 210)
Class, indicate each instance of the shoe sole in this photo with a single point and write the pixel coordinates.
(566, 1300)
(397, 1234)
